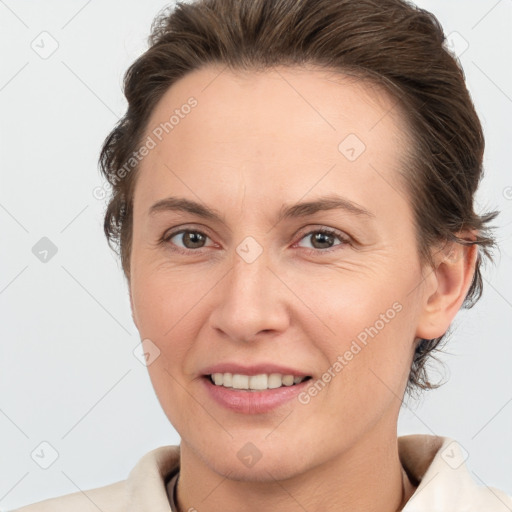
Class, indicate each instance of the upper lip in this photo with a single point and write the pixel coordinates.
(253, 369)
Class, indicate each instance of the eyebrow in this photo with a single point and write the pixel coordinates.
(303, 209)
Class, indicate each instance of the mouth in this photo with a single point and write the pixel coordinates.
(257, 388)
(254, 383)
(259, 393)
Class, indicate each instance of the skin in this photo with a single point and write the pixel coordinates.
(254, 142)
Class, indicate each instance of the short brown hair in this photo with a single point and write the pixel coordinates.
(388, 42)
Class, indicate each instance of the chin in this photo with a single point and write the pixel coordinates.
(243, 460)
(264, 471)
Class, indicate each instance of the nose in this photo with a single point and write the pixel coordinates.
(250, 301)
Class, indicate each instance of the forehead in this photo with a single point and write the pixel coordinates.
(285, 126)
(278, 97)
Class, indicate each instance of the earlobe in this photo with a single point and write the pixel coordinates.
(452, 276)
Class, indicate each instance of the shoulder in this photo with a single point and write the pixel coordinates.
(438, 464)
(144, 488)
(109, 497)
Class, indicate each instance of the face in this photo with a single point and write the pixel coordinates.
(248, 282)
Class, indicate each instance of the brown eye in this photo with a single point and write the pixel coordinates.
(323, 239)
(189, 239)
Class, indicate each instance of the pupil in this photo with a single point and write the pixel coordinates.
(196, 239)
(321, 238)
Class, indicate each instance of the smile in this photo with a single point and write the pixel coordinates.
(253, 394)
(259, 382)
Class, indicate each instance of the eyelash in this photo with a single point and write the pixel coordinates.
(344, 239)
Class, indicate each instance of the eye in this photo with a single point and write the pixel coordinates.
(323, 240)
(186, 240)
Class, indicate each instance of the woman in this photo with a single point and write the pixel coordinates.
(293, 188)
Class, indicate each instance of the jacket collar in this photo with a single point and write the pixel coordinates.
(436, 463)
(145, 484)
(445, 484)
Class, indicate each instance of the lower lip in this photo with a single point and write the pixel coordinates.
(253, 402)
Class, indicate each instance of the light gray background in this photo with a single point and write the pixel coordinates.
(68, 375)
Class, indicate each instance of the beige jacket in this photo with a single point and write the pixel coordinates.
(436, 462)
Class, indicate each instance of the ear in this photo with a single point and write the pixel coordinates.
(447, 286)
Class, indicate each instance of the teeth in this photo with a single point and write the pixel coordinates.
(288, 380)
(227, 380)
(275, 380)
(254, 382)
(239, 381)
(258, 382)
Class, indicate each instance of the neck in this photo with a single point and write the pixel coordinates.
(367, 477)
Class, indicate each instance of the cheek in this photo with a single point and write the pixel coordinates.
(169, 389)
(365, 329)
(162, 298)
(170, 311)
(165, 311)
(160, 305)
(350, 304)
(362, 313)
